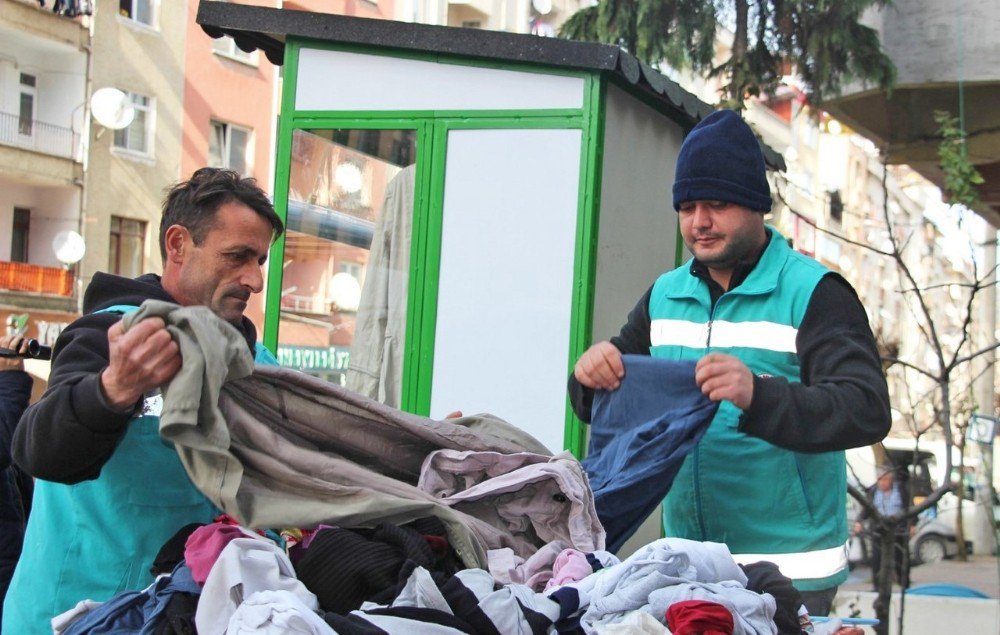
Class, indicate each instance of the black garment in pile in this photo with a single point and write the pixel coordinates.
(345, 567)
(764, 577)
(178, 616)
(171, 553)
(358, 625)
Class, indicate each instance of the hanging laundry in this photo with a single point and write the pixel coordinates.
(376, 368)
(640, 435)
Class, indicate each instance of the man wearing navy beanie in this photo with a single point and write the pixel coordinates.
(782, 343)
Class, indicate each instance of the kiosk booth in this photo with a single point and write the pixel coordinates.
(466, 210)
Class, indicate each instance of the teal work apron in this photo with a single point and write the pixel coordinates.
(95, 539)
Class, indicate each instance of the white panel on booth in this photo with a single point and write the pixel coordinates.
(506, 285)
(337, 80)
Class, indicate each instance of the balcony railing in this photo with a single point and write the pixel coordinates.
(18, 276)
(35, 135)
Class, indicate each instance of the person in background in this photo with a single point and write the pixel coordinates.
(15, 491)
(783, 343)
(888, 496)
(109, 492)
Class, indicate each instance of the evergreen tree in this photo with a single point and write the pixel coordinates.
(822, 39)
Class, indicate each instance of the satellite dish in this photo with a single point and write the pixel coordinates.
(68, 246)
(345, 291)
(112, 108)
(542, 7)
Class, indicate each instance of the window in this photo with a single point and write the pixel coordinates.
(228, 147)
(354, 269)
(139, 10)
(136, 137)
(226, 46)
(836, 206)
(19, 235)
(26, 110)
(346, 193)
(127, 244)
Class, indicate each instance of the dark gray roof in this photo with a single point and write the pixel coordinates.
(266, 29)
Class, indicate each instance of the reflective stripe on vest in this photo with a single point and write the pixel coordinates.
(769, 336)
(805, 565)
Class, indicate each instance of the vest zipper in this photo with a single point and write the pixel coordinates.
(697, 497)
(697, 474)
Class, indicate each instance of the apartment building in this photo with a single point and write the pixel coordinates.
(43, 88)
(138, 47)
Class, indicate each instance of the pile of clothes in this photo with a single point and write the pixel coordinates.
(224, 578)
(399, 524)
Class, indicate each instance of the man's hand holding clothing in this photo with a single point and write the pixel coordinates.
(144, 358)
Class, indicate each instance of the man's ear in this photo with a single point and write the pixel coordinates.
(177, 241)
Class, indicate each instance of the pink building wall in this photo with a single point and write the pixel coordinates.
(220, 88)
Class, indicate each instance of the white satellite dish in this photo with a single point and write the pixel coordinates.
(112, 108)
(345, 291)
(68, 247)
(542, 7)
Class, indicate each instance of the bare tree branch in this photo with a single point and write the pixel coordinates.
(980, 352)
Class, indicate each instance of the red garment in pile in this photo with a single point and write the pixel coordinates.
(698, 617)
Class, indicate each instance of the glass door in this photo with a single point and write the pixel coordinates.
(346, 261)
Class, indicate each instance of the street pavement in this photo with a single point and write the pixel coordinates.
(932, 614)
(980, 572)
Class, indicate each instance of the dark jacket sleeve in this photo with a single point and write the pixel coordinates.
(843, 400)
(632, 340)
(15, 392)
(70, 433)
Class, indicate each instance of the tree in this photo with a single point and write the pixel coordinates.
(822, 39)
(935, 385)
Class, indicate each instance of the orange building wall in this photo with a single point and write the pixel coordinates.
(217, 87)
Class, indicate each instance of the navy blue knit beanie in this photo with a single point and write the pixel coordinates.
(721, 160)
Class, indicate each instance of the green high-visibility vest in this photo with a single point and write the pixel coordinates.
(762, 501)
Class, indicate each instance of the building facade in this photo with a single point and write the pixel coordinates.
(43, 87)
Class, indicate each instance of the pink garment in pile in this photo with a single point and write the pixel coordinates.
(205, 544)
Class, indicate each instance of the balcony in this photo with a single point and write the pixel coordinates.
(37, 136)
(26, 18)
(938, 51)
(25, 278)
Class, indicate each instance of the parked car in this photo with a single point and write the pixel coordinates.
(934, 540)
(933, 536)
